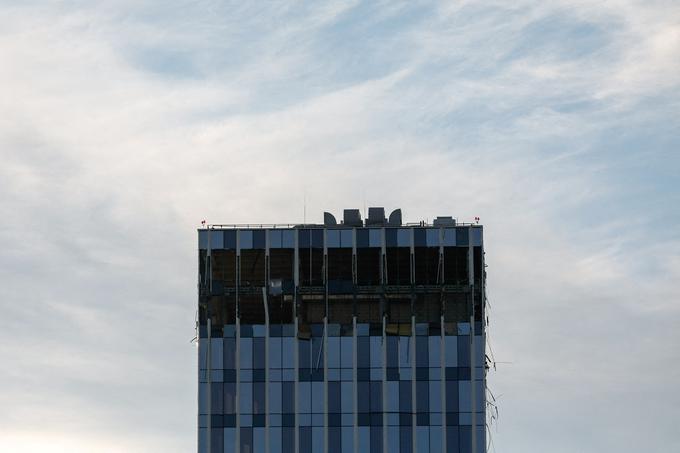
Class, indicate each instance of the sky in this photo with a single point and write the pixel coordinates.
(125, 124)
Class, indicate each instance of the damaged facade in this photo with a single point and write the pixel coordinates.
(353, 336)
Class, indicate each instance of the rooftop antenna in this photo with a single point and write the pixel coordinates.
(304, 207)
(364, 197)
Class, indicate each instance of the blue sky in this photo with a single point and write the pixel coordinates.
(124, 124)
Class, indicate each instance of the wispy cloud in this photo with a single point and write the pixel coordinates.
(123, 125)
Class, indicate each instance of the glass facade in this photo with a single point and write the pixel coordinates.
(341, 340)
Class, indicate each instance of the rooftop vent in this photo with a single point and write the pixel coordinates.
(352, 217)
(376, 216)
(329, 219)
(443, 221)
(395, 218)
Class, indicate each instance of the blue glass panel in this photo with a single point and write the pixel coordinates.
(217, 397)
(347, 440)
(364, 435)
(258, 398)
(463, 350)
(274, 239)
(275, 440)
(245, 238)
(229, 390)
(347, 418)
(317, 397)
(422, 396)
(317, 439)
(203, 239)
(362, 237)
(258, 239)
(393, 439)
(246, 375)
(333, 344)
(451, 351)
(258, 440)
(476, 236)
(363, 390)
(432, 239)
(462, 236)
(465, 439)
(422, 357)
(481, 438)
(317, 239)
(423, 438)
(404, 237)
(288, 397)
(419, 237)
(452, 439)
(391, 237)
(376, 439)
(304, 398)
(287, 352)
(246, 398)
(246, 353)
(435, 351)
(334, 440)
(449, 237)
(246, 440)
(375, 237)
(259, 352)
(230, 239)
(332, 238)
(346, 352)
(346, 239)
(304, 354)
(216, 239)
(229, 439)
(275, 397)
(376, 351)
(405, 351)
(406, 439)
(288, 440)
(452, 403)
(305, 439)
(288, 239)
(464, 396)
(436, 418)
(229, 360)
(347, 392)
(363, 352)
(334, 397)
(304, 239)
(405, 400)
(376, 396)
(392, 351)
(435, 396)
(216, 353)
(275, 352)
(392, 396)
(436, 439)
(479, 351)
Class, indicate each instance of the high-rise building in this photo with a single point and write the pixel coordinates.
(357, 336)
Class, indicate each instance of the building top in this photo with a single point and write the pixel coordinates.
(352, 219)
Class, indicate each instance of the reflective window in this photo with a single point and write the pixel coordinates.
(246, 353)
(245, 238)
(246, 398)
(404, 237)
(449, 237)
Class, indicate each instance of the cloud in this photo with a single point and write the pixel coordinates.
(123, 125)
